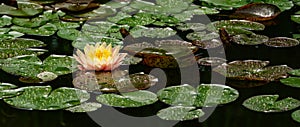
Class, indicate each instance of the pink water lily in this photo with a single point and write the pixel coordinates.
(99, 57)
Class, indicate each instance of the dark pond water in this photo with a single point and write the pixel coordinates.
(229, 115)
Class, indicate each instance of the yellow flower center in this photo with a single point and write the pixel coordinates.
(103, 54)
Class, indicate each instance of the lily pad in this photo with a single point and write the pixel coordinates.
(191, 26)
(253, 39)
(211, 61)
(279, 42)
(45, 30)
(69, 34)
(27, 22)
(152, 32)
(180, 113)
(269, 103)
(30, 66)
(43, 98)
(85, 107)
(296, 115)
(8, 90)
(295, 18)
(5, 21)
(202, 36)
(20, 46)
(291, 81)
(295, 72)
(253, 70)
(131, 99)
(99, 13)
(131, 60)
(25, 9)
(207, 44)
(10, 35)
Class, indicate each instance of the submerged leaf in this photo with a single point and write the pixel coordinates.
(43, 98)
(180, 113)
(131, 99)
(269, 103)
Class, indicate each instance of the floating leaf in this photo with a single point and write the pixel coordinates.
(191, 26)
(269, 103)
(101, 12)
(85, 107)
(207, 44)
(5, 21)
(295, 72)
(24, 9)
(131, 99)
(296, 115)
(252, 39)
(77, 6)
(119, 16)
(254, 70)
(10, 35)
(138, 19)
(211, 61)
(183, 95)
(20, 46)
(180, 113)
(282, 42)
(295, 18)
(131, 60)
(8, 90)
(27, 22)
(43, 98)
(45, 30)
(291, 81)
(69, 34)
(202, 36)
(214, 94)
(60, 25)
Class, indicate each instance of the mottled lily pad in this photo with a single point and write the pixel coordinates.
(296, 115)
(8, 90)
(191, 26)
(99, 13)
(291, 81)
(207, 44)
(31, 67)
(180, 113)
(85, 107)
(77, 6)
(20, 46)
(253, 39)
(24, 9)
(253, 70)
(202, 36)
(43, 98)
(211, 61)
(69, 34)
(131, 99)
(279, 42)
(45, 30)
(131, 60)
(269, 103)
(153, 32)
(118, 81)
(5, 21)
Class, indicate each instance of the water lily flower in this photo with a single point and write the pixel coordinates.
(99, 57)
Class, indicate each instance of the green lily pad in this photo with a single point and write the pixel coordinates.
(183, 95)
(295, 72)
(252, 39)
(191, 26)
(138, 19)
(25, 9)
(269, 103)
(45, 30)
(253, 70)
(27, 22)
(99, 13)
(43, 98)
(69, 34)
(8, 90)
(20, 46)
(30, 66)
(283, 42)
(119, 16)
(202, 36)
(5, 21)
(295, 18)
(291, 81)
(61, 25)
(10, 34)
(211, 61)
(296, 115)
(131, 60)
(214, 94)
(131, 99)
(152, 32)
(117, 4)
(207, 44)
(85, 107)
(180, 113)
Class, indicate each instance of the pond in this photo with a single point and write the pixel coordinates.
(199, 63)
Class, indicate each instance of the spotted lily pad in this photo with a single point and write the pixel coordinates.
(8, 90)
(252, 39)
(10, 34)
(43, 98)
(296, 115)
(269, 103)
(202, 36)
(180, 113)
(207, 44)
(156, 32)
(5, 21)
(204, 96)
(101, 12)
(131, 60)
(85, 107)
(291, 81)
(24, 9)
(20, 46)
(31, 67)
(45, 30)
(211, 61)
(282, 42)
(77, 6)
(253, 70)
(131, 99)
(69, 34)
(295, 72)
(191, 26)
